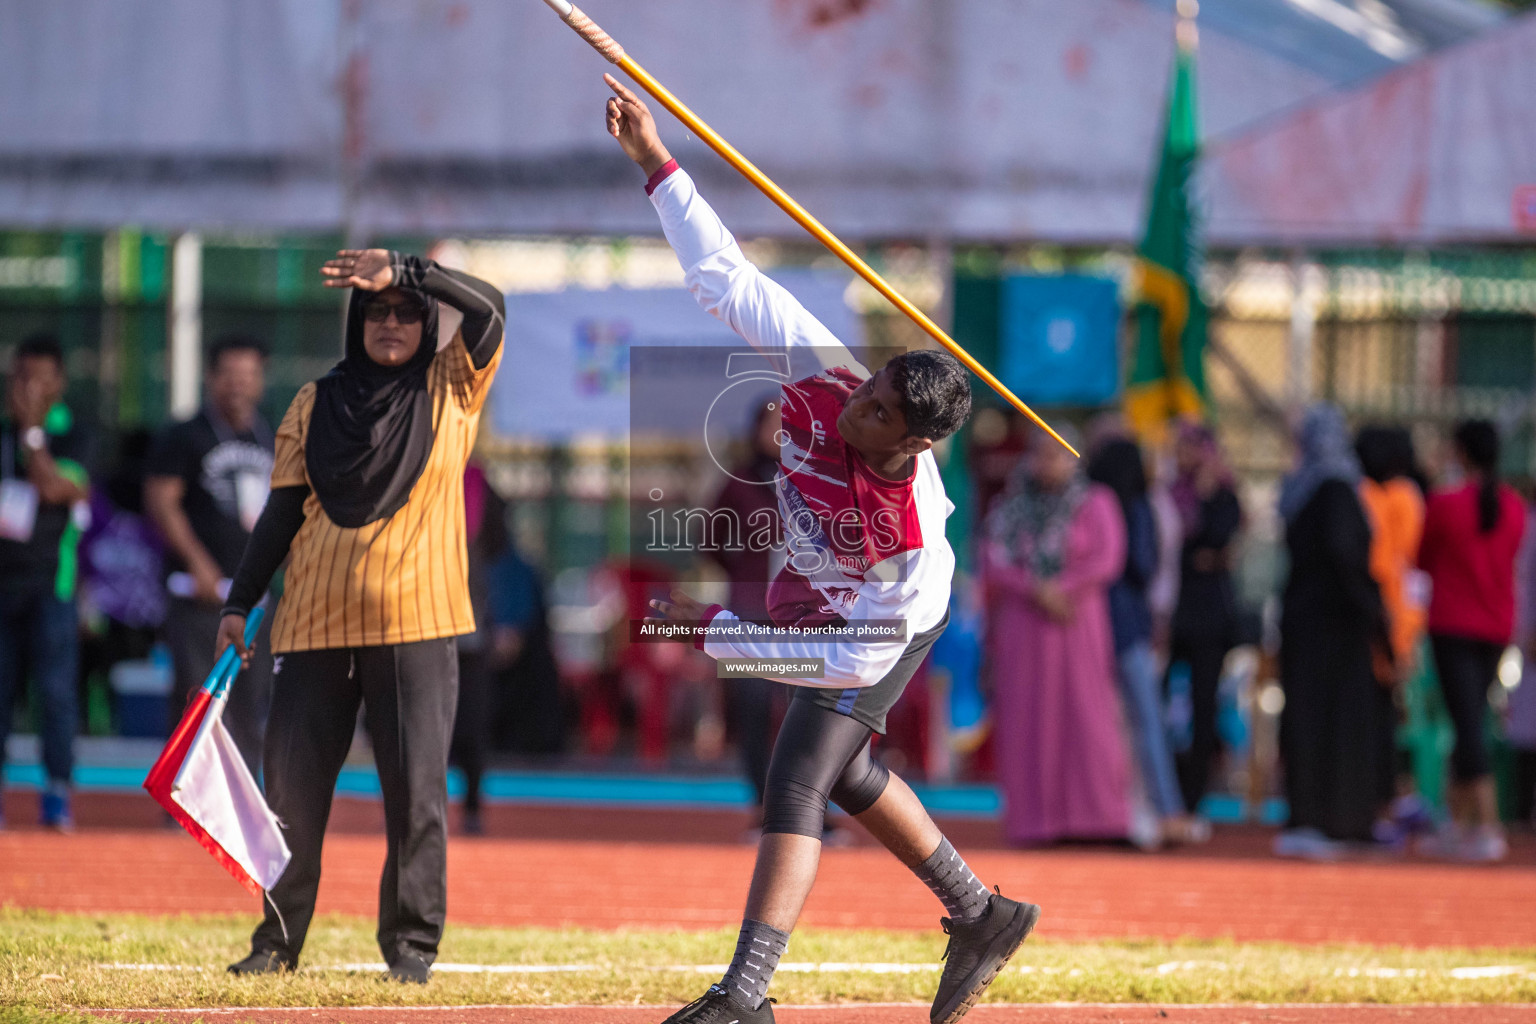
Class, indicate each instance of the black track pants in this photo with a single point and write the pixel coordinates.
(408, 693)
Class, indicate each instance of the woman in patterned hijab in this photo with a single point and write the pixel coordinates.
(1054, 544)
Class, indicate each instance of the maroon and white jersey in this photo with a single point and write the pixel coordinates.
(858, 547)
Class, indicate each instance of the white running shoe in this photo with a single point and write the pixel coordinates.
(1485, 846)
(1444, 843)
(1307, 844)
(1145, 831)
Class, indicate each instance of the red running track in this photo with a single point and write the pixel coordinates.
(603, 881)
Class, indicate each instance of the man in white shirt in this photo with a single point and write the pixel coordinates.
(863, 508)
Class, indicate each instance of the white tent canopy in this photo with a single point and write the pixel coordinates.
(965, 119)
(1441, 151)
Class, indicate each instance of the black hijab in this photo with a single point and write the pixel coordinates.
(1385, 453)
(371, 430)
(1119, 466)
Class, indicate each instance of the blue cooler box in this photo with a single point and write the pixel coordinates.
(142, 692)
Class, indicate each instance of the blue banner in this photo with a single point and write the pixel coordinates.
(1060, 338)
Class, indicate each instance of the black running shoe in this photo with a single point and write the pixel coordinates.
(410, 969)
(978, 949)
(263, 961)
(717, 1007)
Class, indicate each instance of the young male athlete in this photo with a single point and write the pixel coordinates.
(864, 509)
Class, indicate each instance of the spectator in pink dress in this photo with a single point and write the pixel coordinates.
(1055, 543)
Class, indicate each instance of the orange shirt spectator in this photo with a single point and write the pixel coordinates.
(1396, 512)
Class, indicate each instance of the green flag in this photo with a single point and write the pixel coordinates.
(1167, 370)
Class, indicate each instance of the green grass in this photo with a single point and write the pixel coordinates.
(33, 1015)
(52, 964)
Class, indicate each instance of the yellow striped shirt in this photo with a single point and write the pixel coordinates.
(402, 579)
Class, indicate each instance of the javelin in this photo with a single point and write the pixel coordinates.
(605, 44)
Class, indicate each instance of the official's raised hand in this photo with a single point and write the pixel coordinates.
(367, 269)
(630, 121)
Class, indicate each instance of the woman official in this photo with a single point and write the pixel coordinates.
(368, 500)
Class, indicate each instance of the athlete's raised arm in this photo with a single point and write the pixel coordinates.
(720, 277)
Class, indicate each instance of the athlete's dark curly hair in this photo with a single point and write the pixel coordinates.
(935, 392)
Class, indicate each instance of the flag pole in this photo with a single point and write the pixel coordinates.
(1186, 37)
(217, 685)
(605, 44)
(228, 665)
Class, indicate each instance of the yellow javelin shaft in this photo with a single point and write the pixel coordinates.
(609, 48)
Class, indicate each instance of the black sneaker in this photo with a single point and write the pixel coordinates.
(263, 961)
(978, 949)
(410, 969)
(717, 1007)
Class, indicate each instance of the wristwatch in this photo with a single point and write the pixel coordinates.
(34, 439)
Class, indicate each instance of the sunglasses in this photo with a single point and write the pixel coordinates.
(405, 312)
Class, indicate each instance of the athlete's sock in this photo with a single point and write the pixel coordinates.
(953, 883)
(758, 949)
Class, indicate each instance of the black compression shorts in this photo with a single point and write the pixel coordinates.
(823, 748)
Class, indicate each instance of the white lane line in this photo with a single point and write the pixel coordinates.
(1503, 971)
(1192, 965)
(380, 968)
(150, 967)
(452, 968)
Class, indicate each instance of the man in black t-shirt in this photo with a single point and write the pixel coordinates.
(206, 482)
(43, 492)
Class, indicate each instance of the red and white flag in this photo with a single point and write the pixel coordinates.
(202, 781)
